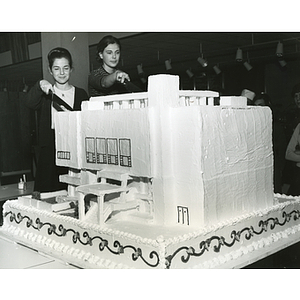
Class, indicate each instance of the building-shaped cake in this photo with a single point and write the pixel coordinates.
(180, 159)
(160, 179)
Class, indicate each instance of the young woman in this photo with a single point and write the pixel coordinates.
(293, 154)
(108, 79)
(39, 98)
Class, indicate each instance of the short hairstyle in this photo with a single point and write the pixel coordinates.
(59, 52)
(104, 42)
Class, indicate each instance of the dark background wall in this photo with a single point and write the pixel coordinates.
(18, 124)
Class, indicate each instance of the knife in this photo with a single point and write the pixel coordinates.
(58, 102)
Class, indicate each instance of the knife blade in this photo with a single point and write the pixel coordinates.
(58, 102)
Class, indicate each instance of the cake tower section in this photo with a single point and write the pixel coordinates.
(179, 159)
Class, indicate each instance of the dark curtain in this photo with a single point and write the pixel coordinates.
(19, 46)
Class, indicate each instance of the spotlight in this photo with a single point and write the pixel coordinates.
(279, 49)
(143, 80)
(202, 62)
(239, 55)
(168, 64)
(189, 73)
(217, 70)
(282, 63)
(247, 66)
(140, 69)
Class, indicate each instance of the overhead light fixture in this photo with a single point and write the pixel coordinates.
(217, 69)
(143, 80)
(279, 49)
(189, 73)
(239, 55)
(282, 63)
(140, 69)
(247, 66)
(247, 63)
(200, 59)
(202, 62)
(168, 64)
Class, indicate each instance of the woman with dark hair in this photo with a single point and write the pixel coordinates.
(60, 66)
(107, 79)
(293, 148)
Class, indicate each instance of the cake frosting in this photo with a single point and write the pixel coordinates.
(195, 184)
(217, 246)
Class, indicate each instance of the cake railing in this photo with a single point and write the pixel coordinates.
(141, 100)
(121, 101)
(196, 98)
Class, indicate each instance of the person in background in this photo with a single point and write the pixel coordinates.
(293, 154)
(39, 98)
(249, 95)
(262, 100)
(293, 110)
(107, 79)
(278, 139)
(293, 148)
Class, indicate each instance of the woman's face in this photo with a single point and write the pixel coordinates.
(61, 70)
(110, 56)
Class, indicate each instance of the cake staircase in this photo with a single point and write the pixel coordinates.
(125, 201)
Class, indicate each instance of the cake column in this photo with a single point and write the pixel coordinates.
(163, 95)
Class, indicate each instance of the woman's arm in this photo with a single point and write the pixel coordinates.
(33, 98)
(104, 81)
(291, 152)
(118, 76)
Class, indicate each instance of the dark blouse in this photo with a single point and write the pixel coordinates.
(36, 99)
(96, 88)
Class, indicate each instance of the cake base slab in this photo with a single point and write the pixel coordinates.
(128, 244)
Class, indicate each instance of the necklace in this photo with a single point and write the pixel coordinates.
(64, 93)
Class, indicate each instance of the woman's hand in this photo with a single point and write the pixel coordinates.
(46, 86)
(121, 76)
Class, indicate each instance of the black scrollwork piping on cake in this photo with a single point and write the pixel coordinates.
(216, 242)
(86, 239)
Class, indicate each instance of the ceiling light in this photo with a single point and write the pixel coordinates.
(239, 55)
(217, 70)
(247, 66)
(140, 69)
(279, 49)
(202, 62)
(189, 73)
(282, 63)
(168, 64)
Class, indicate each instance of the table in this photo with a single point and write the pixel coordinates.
(17, 256)
(11, 191)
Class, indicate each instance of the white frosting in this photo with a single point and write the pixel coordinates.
(87, 258)
(207, 163)
(203, 171)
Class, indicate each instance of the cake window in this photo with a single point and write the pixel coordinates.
(64, 155)
(90, 150)
(101, 151)
(112, 151)
(125, 152)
